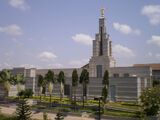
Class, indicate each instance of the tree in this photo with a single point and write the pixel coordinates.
(50, 81)
(84, 80)
(104, 94)
(18, 81)
(59, 116)
(105, 82)
(6, 79)
(150, 101)
(61, 80)
(74, 83)
(156, 83)
(106, 78)
(41, 84)
(23, 111)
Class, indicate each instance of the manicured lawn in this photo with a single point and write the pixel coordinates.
(120, 113)
(127, 105)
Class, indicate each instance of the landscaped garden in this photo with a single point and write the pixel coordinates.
(91, 107)
(150, 98)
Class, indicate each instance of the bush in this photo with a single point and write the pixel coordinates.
(21, 93)
(156, 83)
(59, 116)
(150, 101)
(26, 93)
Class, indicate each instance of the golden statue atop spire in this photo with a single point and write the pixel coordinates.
(102, 12)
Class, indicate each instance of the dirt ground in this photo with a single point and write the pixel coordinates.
(39, 115)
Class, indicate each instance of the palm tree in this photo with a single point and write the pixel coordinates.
(105, 82)
(6, 79)
(41, 84)
(19, 80)
(49, 77)
(74, 83)
(61, 80)
(84, 80)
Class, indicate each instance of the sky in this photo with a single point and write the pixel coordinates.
(59, 33)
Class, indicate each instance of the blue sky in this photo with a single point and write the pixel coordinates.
(59, 33)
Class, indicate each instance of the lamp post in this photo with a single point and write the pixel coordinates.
(99, 101)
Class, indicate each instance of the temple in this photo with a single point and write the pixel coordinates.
(125, 83)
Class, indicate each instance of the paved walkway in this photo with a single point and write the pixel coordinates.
(39, 115)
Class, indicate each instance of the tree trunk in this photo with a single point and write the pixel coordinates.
(83, 94)
(40, 92)
(75, 95)
(75, 98)
(50, 99)
(40, 98)
(86, 91)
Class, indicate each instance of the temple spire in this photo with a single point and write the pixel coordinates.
(102, 12)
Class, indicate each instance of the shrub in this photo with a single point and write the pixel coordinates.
(59, 116)
(26, 93)
(150, 101)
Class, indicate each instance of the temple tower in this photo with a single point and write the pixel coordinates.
(102, 58)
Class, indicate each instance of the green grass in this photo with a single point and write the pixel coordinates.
(120, 113)
(127, 105)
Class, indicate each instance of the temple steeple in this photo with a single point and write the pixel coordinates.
(102, 12)
(102, 32)
(102, 58)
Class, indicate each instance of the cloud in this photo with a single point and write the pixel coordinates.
(47, 56)
(83, 38)
(5, 65)
(28, 66)
(125, 29)
(20, 4)
(154, 40)
(13, 30)
(150, 54)
(122, 51)
(158, 55)
(78, 63)
(153, 13)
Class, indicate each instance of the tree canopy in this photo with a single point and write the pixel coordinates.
(61, 77)
(84, 77)
(49, 76)
(106, 78)
(74, 78)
